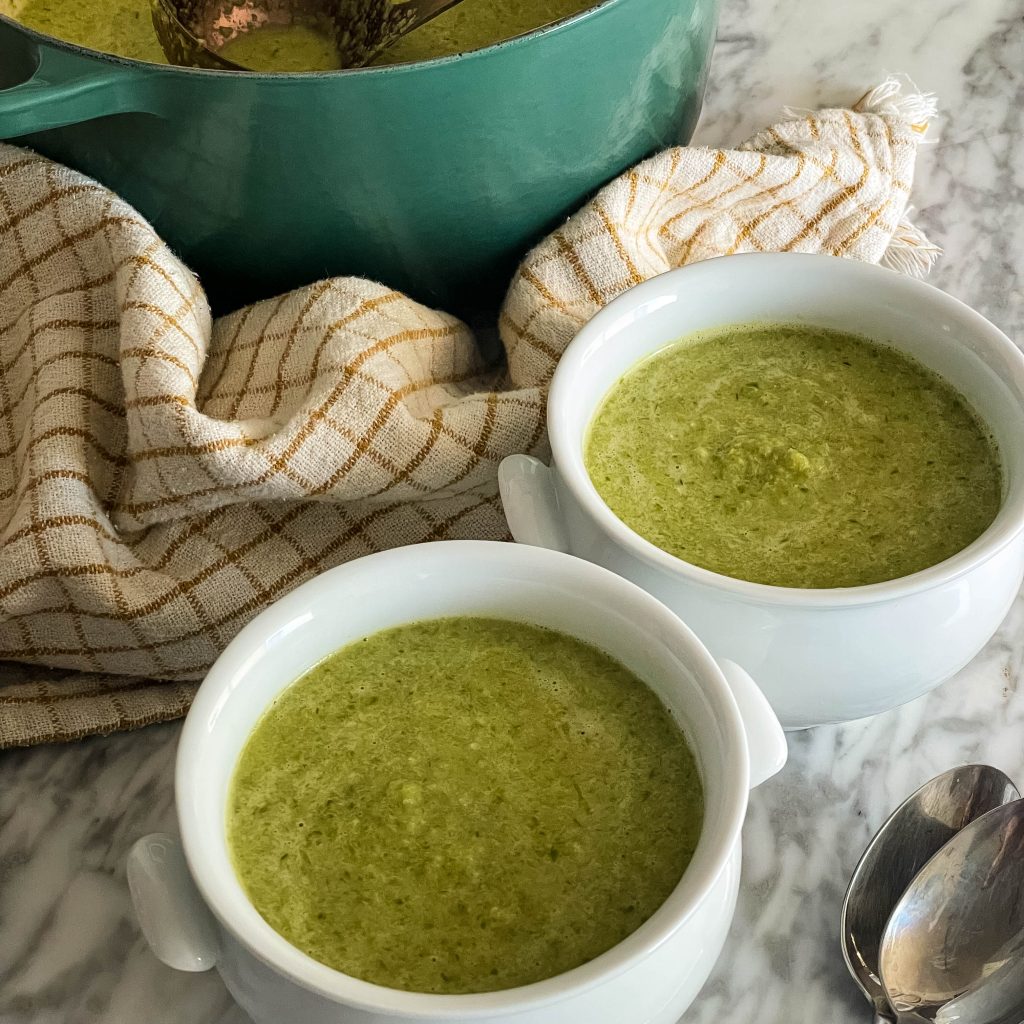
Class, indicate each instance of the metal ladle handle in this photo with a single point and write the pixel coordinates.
(192, 32)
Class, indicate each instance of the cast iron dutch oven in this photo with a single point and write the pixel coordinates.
(432, 177)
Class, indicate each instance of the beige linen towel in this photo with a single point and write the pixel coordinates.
(164, 477)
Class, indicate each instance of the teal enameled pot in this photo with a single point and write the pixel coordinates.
(432, 177)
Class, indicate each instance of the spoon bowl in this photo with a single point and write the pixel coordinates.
(922, 825)
(193, 33)
(953, 949)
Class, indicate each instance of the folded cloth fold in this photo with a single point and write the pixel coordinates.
(163, 477)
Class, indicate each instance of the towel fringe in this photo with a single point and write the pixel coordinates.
(909, 251)
(888, 99)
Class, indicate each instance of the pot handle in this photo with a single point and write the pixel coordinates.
(65, 89)
(173, 917)
(766, 742)
(528, 497)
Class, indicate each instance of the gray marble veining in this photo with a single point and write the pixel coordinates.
(69, 950)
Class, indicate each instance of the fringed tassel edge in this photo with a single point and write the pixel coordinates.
(887, 99)
(909, 250)
(914, 109)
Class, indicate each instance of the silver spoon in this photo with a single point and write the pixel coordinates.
(953, 949)
(911, 836)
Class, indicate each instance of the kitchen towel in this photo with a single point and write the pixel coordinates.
(164, 477)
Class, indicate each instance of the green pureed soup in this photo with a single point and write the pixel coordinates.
(463, 805)
(794, 456)
(125, 27)
(278, 48)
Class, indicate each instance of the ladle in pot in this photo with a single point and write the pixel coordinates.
(193, 32)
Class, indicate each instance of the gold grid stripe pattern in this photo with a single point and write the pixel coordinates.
(163, 477)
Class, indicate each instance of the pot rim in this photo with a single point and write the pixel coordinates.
(562, 24)
(568, 459)
(223, 893)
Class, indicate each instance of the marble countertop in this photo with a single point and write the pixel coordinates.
(70, 952)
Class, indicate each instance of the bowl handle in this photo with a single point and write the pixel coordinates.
(173, 917)
(528, 497)
(766, 742)
(65, 89)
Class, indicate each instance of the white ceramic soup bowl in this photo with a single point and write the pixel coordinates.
(195, 914)
(819, 655)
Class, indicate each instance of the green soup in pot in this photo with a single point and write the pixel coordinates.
(121, 27)
(283, 48)
(473, 24)
(794, 456)
(463, 805)
(125, 28)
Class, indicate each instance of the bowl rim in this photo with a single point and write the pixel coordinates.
(1006, 526)
(237, 915)
(549, 28)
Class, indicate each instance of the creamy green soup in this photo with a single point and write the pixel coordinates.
(463, 805)
(121, 27)
(473, 24)
(125, 28)
(283, 48)
(794, 456)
